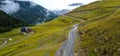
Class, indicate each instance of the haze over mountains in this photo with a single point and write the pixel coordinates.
(61, 12)
(64, 11)
(27, 11)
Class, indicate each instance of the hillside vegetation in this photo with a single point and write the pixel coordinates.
(33, 14)
(45, 41)
(7, 23)
(98, 33)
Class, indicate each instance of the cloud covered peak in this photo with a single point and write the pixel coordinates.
(9, 6)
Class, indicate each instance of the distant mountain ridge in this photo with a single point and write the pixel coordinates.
(32, 14)
(61, 12)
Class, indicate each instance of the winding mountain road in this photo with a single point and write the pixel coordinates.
(4, 42)
(67, 49)
(75, 18)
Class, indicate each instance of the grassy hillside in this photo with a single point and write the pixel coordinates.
(45, 41)
(98, 34)
(7, 22)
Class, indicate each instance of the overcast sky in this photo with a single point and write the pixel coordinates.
(60, 4)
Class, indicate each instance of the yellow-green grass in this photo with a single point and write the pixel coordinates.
(93, 14)
(98, 4)
(99, 34)
(1, 42)
(46, 39)
(102, 37)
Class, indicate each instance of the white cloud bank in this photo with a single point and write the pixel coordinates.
(60, 4)
(9, 6)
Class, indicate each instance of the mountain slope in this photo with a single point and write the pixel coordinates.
(98, 33)
(33, 14)
(45, 40)
(30, 12)
(7, 22)
(61, 12)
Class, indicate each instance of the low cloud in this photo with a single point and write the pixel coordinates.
(31, 2)
(75, 4)
(9, 6)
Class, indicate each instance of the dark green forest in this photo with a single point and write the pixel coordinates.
(7, 22)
